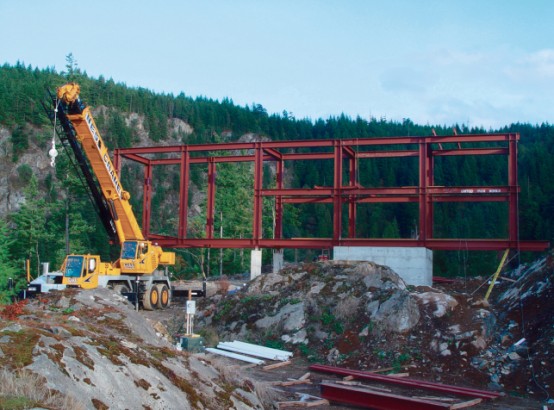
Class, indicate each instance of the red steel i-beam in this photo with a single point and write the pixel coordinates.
(147, 200)
(376, 400)
(211, 200)
(337, 184)
(278, 228)
(258, 198)
(352, 203)
(358, 374)
(513, 184)
(184, 193)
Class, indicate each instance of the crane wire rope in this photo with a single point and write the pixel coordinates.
(53, 153)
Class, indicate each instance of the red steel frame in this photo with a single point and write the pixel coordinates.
(351, 193)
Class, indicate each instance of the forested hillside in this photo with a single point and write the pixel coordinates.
(46, 211)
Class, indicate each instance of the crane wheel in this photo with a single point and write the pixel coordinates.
(164, 299)
(120, 289)
(150, 298)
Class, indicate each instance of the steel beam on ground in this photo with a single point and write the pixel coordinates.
(374, 399)
(463, 391)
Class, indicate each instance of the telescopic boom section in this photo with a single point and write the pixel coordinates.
(97, 153)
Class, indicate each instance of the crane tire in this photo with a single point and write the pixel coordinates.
(164, 299)
(150, 298)
(119, 289)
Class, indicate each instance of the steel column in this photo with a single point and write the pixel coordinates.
(184, 193)
(258, 198)
(513, 223)
(147, 200)
(425, 181)
(210, 200)
(278, 229)
(337, 184)
(352, 203)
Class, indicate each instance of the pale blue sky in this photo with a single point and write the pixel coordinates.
(475, 62)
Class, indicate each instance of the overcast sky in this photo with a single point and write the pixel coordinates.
(474, 62)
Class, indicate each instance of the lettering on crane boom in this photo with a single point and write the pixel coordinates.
(105, 157)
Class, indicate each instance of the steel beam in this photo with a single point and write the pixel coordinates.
(210, 206)
(184, 193)
(146, 200)
(372, 399)
(320, 243)
(358, 374)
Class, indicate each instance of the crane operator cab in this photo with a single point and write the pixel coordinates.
(81, 271)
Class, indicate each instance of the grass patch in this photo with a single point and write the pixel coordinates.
(17, 403)
(24, 390)
(19, 352)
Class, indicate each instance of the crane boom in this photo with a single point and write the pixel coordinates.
(137, 267)
(97, 153)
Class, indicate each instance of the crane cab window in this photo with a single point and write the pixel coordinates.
(74, 266)
(129, 250)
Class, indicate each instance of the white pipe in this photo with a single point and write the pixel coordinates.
(252, 352)
(255, 350)
(235, 356)
(268, 349)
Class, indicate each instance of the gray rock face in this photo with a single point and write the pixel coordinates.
(441, 302)
(290, 317)
(399, 313)
(265, 283)
(379, 277)
(106, 381)
(14, 327)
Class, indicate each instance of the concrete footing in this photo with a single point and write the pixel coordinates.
(255, 263)
(277, 260)
(414, 265)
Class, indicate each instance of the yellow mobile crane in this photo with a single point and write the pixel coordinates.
(136, 271)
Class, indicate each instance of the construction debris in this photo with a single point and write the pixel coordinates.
(277, 365)
(306, 400)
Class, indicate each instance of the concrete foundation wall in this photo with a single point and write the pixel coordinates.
(414, 265)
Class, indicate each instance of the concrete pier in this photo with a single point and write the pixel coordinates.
(414, 265)
(255, 263)
(277, 260)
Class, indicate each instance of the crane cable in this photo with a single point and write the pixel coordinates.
(53, 153)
